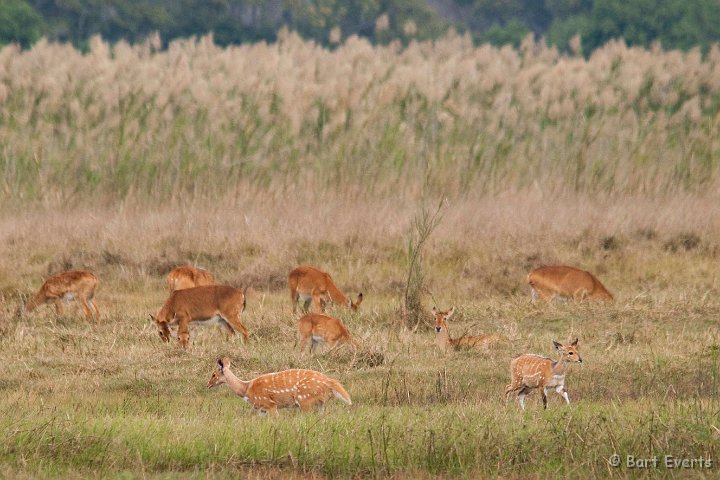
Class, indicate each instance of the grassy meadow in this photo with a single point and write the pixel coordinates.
(248, 161)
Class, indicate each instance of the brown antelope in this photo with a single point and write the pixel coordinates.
(207, 305)
(317, 327)
(566, 282)
(312, 284)
(73, 285)
(186, 276)
(534, 371)
(446, 343)
(289, 388)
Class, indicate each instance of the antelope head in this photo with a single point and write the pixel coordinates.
(354, 305)
(163, 329)
(569, 353)
(218, 376)
(440, 319)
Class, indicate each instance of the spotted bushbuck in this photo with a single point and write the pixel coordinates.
(530, 371)
(289, 388)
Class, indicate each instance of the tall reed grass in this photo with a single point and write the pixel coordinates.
(446, 117)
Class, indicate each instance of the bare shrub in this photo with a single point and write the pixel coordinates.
(423, 225)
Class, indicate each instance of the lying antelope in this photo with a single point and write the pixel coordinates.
(311, 284)
(317, 327)
(446, 343)
(207, 305)
(186, 276)
(566, 282)
(533, 371)
(73, 285)
(289, 388)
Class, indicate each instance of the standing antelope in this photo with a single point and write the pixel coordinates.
(186, 276)
(566, 282)
(534, 371)
(312, 284)
(208, 305)
(445, 342)
(289, 388)
(73, 285)
(317, 327)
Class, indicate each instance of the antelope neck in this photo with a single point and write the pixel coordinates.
(559, 367)
(238, 386)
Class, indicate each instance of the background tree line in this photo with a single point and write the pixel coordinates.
(673, 23)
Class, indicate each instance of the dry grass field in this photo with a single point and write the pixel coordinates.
(249, 161)
(109, 398)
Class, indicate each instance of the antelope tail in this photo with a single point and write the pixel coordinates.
(339, 391)
(244, 304)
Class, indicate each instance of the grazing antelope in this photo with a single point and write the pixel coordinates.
(317, 327)
(566, 282)
(534, 371)
(312, 284)
(186, 276)
(445, 343)
(207, 305)
(73, 285)
(289, 388)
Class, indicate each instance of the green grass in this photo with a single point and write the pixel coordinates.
(196, 433)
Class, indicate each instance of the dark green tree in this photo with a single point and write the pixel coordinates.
(511, 33)
(674, 23)
(19, 23)
(563, 30)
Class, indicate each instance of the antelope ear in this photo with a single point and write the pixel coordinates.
(434, 311)
(558, 345)
(450, 312)
(225, 362)
(220, 365)
(574, 344)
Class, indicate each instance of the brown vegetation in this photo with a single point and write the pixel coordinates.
(197, 121)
